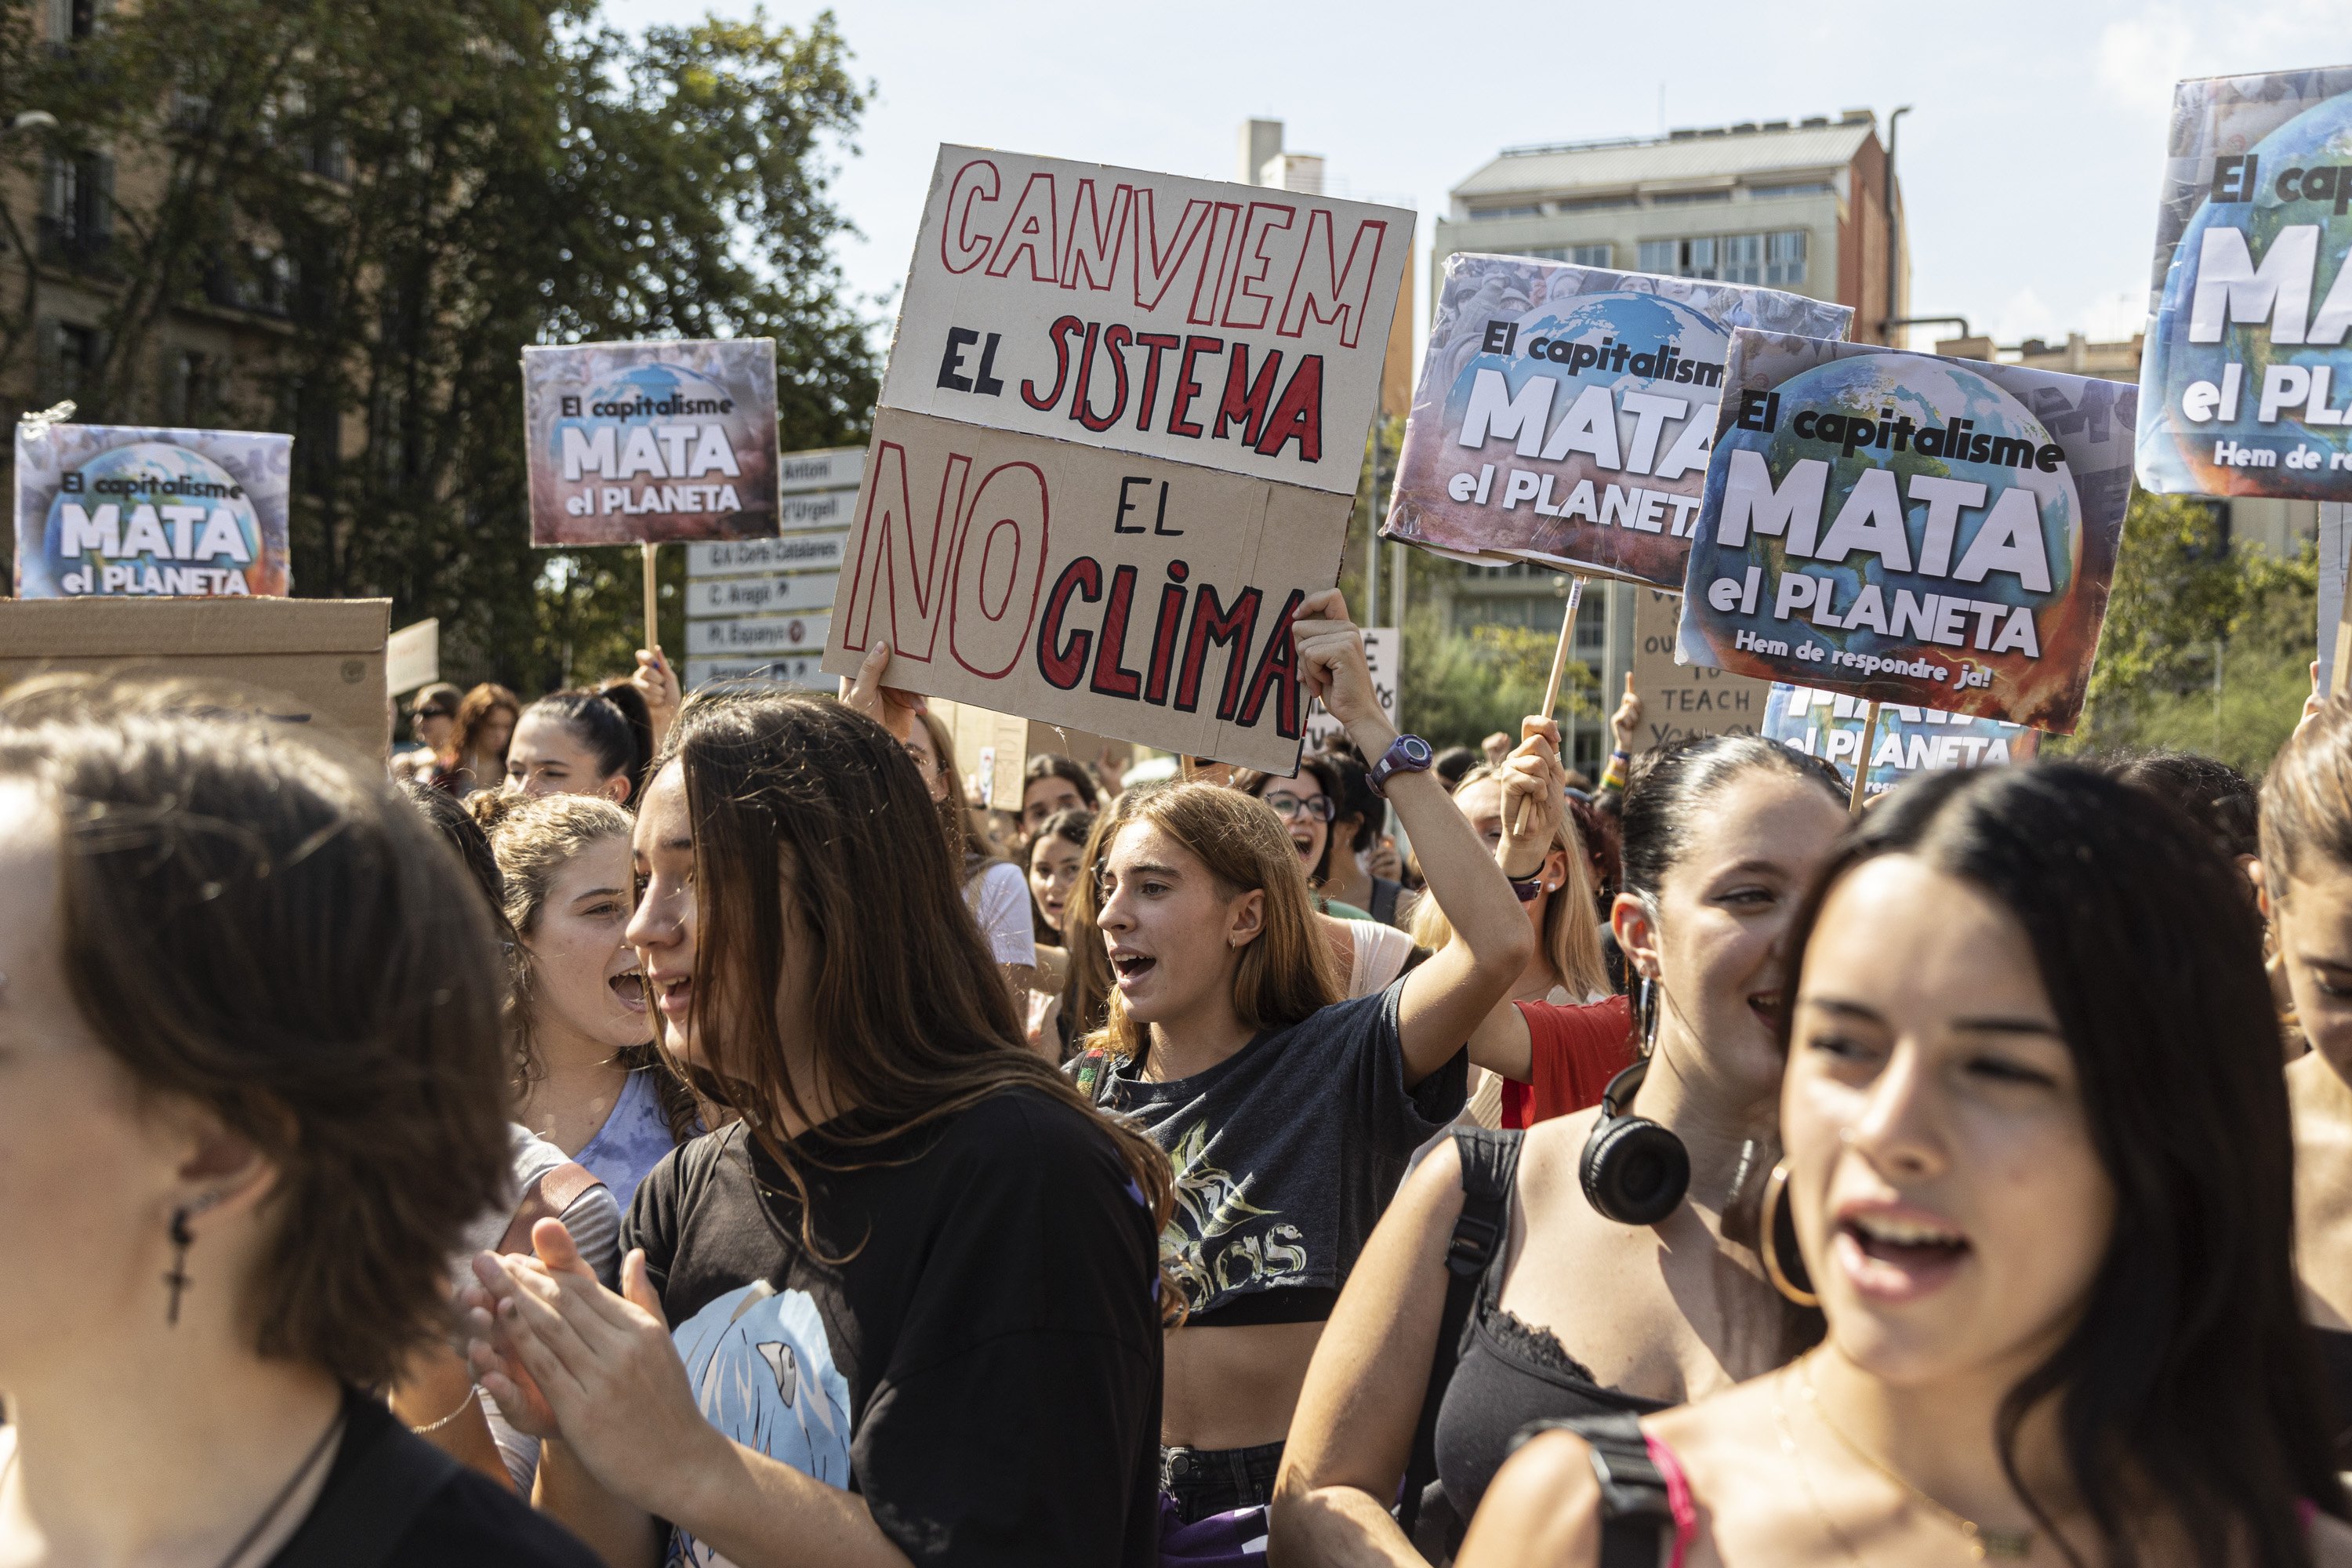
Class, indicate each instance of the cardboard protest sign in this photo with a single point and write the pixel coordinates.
(1119, 594)
(1565, 413)
(1679, 701)
(1237, 326)
(1903, 741)
(114, 510)
(1930, 531)
(644, 443)
(303, 661)
(990, 750)
(412, 657)
(2247, 372)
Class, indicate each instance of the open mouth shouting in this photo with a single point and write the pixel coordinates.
(1130, 966)
(1895, 1252)
(673, 994)
(1766, 1005)
(629, 989)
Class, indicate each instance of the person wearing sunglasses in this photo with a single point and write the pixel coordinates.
(433, 726)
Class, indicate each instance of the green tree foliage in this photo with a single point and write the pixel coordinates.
(2206, 648)
(407, 192)
(1461, 687)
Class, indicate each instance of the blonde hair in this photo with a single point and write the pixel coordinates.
(533, 838)
(1572, 926)
(1283, 976)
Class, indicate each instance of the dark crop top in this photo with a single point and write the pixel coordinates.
(1510, 1374)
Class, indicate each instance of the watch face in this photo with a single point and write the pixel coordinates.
(1416, 748)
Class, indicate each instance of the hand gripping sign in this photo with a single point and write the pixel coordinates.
(1913, 529)
(105, 510)
(2247, 376)
(1565, 413)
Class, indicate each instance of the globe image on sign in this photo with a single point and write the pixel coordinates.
(2319, 140)
(1867, 586)
(148, 518)
(647, 390)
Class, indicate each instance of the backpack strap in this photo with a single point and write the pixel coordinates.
(547, 1197)
(370, 1500)
(1637, 1505)
(1490, 1159)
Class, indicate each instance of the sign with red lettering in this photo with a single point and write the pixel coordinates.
(1239, 327)
(1145, 600)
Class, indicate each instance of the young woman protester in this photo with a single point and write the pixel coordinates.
(1308, 804)
(1056, 851)
(592, 1083)
(1050, 785)
(1355, 836)
(1538, 1053)
(582, 743)
(1621, 1271)
(2038, 1179)
(1289, 1114)
(250, 1092)
(486, 726)
(993, 886)
(2306, 869)
(850, 1286)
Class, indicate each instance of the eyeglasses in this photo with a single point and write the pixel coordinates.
(432, 713)
(1317, 806)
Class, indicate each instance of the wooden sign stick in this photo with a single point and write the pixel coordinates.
(652, 598)
(1861, 761)
(1558, 665)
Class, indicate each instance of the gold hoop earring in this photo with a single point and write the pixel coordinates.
(1767, 1243)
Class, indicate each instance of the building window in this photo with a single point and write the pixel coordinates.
(1743, 258)
(1529, 211)
(1776, 260)
(71, 21)
(190, 379)
(1687, 198)
(1599, 204)
(69, 366)
(1588, 255)
(77, 209)
(1784, 258)
(1810, 188)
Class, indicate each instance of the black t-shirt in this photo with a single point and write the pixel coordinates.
(468, 1522)
(982, 1359)
(1286, 1151)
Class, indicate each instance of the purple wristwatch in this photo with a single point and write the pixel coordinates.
(1406, 754)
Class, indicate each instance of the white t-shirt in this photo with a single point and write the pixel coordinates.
(999, 896)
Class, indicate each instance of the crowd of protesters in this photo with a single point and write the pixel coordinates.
(652, 1131)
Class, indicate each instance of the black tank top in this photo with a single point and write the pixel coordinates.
(1510, 1374)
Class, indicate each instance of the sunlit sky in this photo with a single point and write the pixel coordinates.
(2029, 160)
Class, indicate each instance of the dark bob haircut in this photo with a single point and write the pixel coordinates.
(256, 924)
(2190, 1381)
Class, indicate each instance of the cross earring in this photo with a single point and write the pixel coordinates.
(176, 1280)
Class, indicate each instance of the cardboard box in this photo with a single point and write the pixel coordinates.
(316, 662)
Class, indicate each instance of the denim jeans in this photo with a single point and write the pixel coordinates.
(1203, 1481)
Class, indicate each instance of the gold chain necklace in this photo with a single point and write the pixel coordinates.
(1804, 1476)
(1984, 1541)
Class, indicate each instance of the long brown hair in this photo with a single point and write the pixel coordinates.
(1572, 931)
(1086, 989)
(473, 709)
(794, 796)
(1283, 977)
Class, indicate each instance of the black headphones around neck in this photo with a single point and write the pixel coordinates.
(1634, 1171)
